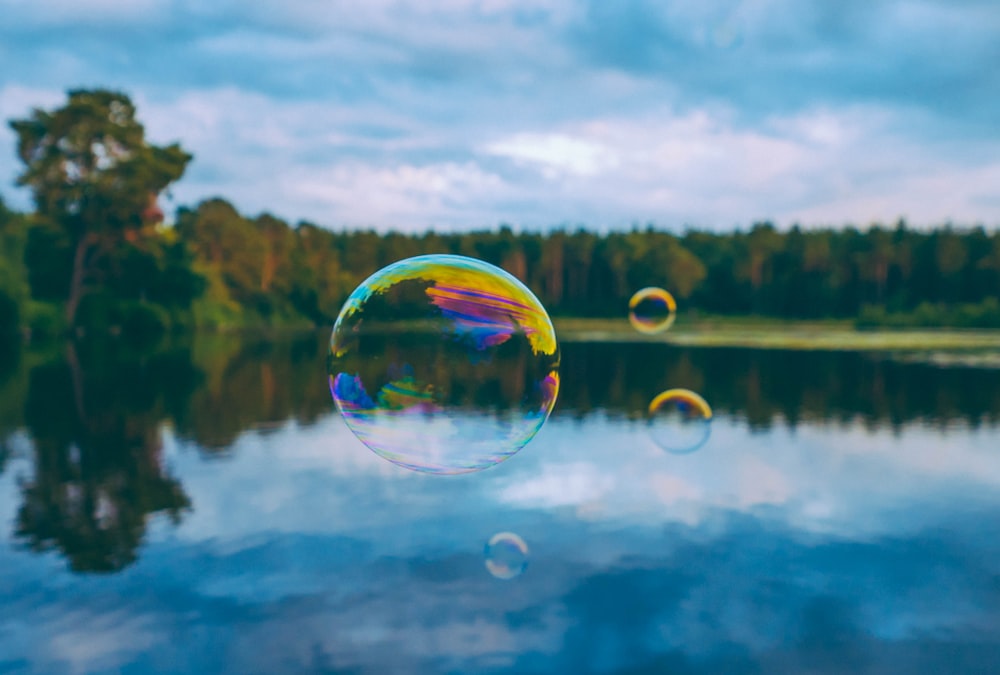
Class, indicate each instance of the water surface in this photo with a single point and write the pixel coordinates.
(201, 507)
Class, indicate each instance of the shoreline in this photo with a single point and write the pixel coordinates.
(818, 336)
(724, 333)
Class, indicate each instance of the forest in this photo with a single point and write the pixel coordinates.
(97, 254)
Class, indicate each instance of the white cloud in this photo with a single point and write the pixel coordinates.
(368, 165)
(402, 196)
(818, 167)
(302, 160)
(308, 160)
(467, 113)
(555, 154)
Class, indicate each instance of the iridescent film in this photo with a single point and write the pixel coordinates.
(443, 364)
(506, 555)
(652, 310)
(679, 421)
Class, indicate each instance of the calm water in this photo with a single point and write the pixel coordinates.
(203, 508)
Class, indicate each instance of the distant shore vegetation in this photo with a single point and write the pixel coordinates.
(96, 257)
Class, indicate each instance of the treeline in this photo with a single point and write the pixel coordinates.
(215, 268)
(270, 271)
(95, 256)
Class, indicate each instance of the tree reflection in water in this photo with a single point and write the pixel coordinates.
(98, 470)
(94, 412)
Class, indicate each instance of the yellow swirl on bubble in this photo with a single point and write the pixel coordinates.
(679, 421)
(695, 404)
(463, 286)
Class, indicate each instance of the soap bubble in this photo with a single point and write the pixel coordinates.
(443, 364)
(506, 555)
(679, 420)
(652, 310)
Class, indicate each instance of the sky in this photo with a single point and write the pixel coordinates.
(461, 114)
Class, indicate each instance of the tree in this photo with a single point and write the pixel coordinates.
(763, 242)
(94, 177)
(13, 273)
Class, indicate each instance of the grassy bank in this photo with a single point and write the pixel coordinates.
(751, 332)
(777, 334)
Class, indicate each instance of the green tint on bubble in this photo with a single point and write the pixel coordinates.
(443, 364)
(506, 555)
(679, 421)
(652, 310)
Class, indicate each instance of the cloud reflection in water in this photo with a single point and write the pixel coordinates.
(822, 549)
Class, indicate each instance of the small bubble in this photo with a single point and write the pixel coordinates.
(506, 555)
(679, 421)
(652, 310)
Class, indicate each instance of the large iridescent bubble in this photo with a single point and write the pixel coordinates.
(652, 310)
(680, 421)
(443, 364)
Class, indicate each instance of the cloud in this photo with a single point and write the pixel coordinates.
(464, 113)
(555, 153)
(792, 55)
(702, 168)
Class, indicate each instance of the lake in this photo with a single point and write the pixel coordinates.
(202, 507)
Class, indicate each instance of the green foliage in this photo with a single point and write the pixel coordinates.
(95, 180)
(49, 259)
(14, 290)
(44, 319)
(88, 163)
(10, 315)
(143, 321)
(102, 313)
(985, 314)
(219, 270)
